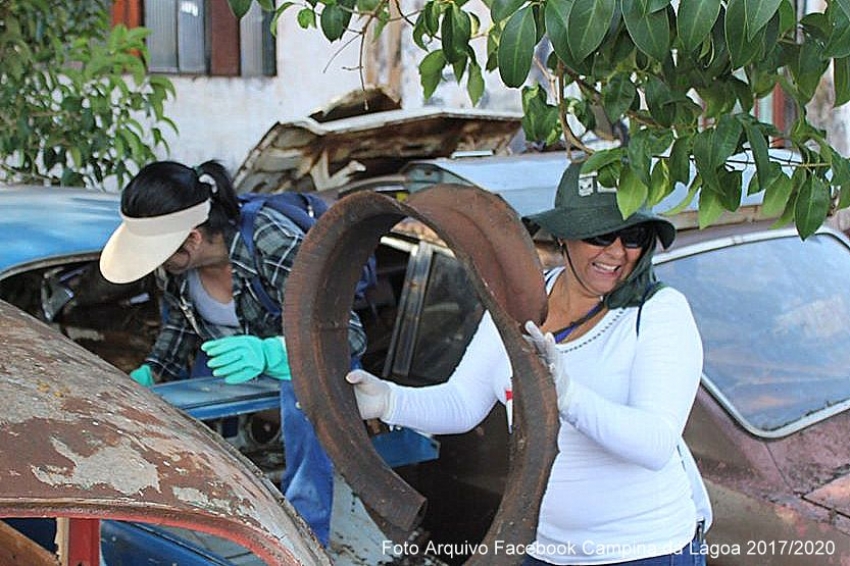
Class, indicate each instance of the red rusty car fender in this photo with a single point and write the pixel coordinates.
(486, 235)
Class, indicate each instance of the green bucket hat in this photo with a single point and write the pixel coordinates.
(584, 208)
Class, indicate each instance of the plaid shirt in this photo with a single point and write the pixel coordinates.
(276, 241)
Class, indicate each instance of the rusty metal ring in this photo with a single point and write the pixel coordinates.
(486, 235)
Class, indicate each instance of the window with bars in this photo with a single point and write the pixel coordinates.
(202, 37)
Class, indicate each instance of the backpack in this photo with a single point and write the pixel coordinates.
(303, 209)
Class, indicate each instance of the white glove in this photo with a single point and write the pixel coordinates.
(373, 394)
(552, 359)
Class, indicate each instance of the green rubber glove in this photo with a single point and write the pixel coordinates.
(143, 375)
(242, 358)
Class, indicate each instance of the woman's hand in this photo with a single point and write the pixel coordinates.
(551, 358)
(373, 394)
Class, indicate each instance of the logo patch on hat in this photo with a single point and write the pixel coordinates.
(588, 184)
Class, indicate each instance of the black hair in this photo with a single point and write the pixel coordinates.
(164, 187)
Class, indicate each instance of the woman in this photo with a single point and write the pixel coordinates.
(626, 358)
(185, 220)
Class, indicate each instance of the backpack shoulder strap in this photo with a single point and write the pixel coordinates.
(250, 206)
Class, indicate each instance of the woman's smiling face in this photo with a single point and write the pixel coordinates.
(602, 269)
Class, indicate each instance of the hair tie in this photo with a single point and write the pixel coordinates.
(206, 179)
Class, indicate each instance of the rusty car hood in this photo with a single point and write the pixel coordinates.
(306, 154)
(81, 440)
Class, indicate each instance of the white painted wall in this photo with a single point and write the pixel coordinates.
(224, 118)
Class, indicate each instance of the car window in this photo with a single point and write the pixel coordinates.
(773, 315)
(449, 316)
(117, 322)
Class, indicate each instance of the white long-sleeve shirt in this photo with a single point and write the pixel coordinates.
(618, 489)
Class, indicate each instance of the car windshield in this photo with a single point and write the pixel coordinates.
(773, 318)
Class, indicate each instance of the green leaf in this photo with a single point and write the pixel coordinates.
(841, 176)
(680, 160)
(727, 136)
(631, 192)
(331, 21)
(475, 83)
(757, 13)
(540, 121)
(841, 72)
(776, 195)
(730, 189)
(710, 206)
(589, 20)
(660, 185)
(659, 100)
(742, 49)
(618, 96)
(306, 18)
(239, 7)
(812, 206)
(694, 187)
(556, 16)
(503, 9)
(368, 6)
(695, 20)
(431, 72)
(656, 5)
(516, 47)
(808, 70)
(758, 146)
(650, 32)
(706, 157)
(456, 32)
(638, 153)
(839, 38)
(600, 159)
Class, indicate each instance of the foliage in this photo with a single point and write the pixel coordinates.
(72, 92)
(684, 75)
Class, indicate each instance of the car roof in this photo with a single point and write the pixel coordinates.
(528, 182)
(44, 222)
(81, 440)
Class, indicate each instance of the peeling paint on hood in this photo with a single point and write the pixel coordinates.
(81, 439)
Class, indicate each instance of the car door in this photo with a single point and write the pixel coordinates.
(437, 313)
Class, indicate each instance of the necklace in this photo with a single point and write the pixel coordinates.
(562, 334)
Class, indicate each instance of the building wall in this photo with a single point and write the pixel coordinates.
(224, 117)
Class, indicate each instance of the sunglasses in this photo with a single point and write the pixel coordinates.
(632, 237)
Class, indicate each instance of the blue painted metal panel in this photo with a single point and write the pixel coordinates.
(56, 222)
(403, 446)
(207, 398)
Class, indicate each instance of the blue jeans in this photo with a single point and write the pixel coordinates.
(690, 555)
(307, 481)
